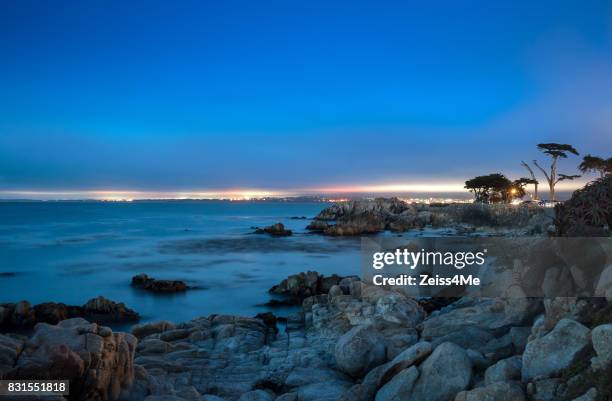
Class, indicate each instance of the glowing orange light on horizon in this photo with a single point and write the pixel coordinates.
(394, 188)
(250, 193)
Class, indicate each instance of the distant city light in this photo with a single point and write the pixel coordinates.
(243, 194)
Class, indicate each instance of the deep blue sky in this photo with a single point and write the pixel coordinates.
(265, 94)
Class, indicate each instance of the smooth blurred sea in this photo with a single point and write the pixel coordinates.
(73, 251)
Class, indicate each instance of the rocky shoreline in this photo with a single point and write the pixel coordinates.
(349, 340)
(22, 315)
(362, 217)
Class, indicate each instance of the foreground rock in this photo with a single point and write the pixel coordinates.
(319, 356)
(352, 342)
(505, 370)
(399, 387)
(360, 350)
(555, 351)
(23, 315)
(601, 337)
(150, 284)
(475, 323)
(494, 392)
(98, 362)
(275, 230)
(446, 372)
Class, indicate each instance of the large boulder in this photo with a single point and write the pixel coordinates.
(409, 357)
(301, 376)
(601, 336)
(473, 322)
(604, 284)
(558, 308)
(98, 362)
(210, 397)
(10, 348)
(555, 351)
(329, 390)
(359, 350)
(505, 370)
(400, 386)
(257, 395)
(545, 389)
(397, 308)
(590, 395)
(447, 371)
(493, 392)
(286, 397)
(146, 329)
(383, 374)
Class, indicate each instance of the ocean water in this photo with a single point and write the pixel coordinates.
(73, 251)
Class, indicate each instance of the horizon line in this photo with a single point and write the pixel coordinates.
(397, 189)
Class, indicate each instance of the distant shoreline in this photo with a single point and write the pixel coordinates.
(433, 197)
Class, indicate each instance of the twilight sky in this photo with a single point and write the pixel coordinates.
(302, 96)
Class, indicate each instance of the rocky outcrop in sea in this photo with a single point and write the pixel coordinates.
(275, 230)
(23, 315)
(147, 283)
(361, 217)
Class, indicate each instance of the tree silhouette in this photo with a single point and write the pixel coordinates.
(592, 164)
(555, 151)
(490, 188)
(517, 190)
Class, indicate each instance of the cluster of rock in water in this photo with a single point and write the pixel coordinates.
(349, 341)
(147, 283)
(370, 217)
(22, 315)
(275, 230)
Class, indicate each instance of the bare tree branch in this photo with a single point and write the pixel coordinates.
(535, 162)
(563, 177)
(528, 169)
(533, 177)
